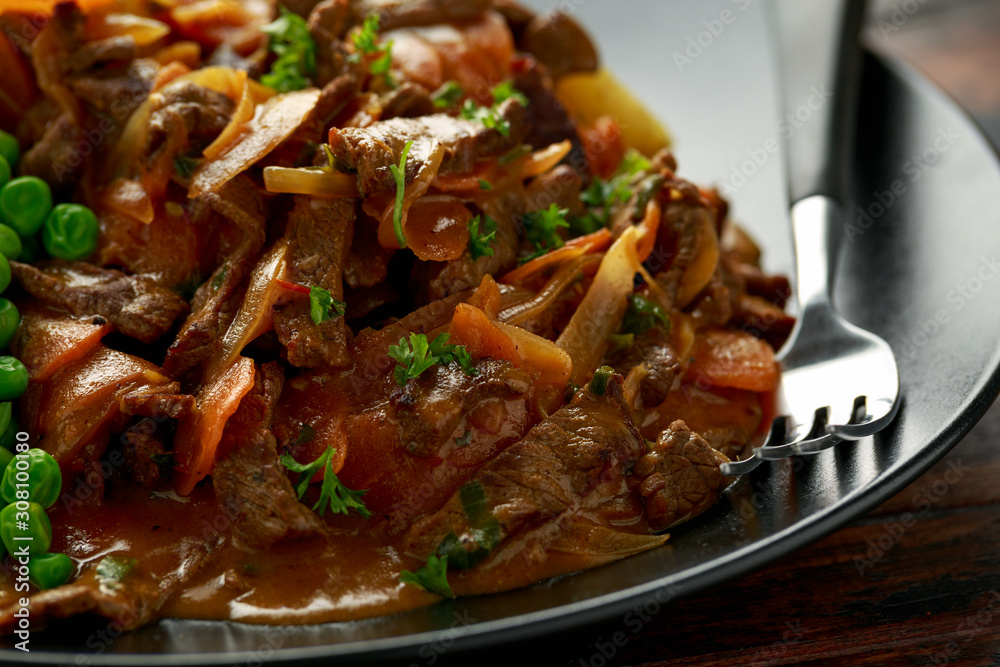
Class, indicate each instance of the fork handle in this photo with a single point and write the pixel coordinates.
(820, 60)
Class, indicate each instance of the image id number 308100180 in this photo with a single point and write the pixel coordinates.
(21, 553)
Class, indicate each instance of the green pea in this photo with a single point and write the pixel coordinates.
(10, 243)
(10, 149)
(70, 232)
(9, 319)
(4, 171)
(4, 273)
(6, 456)
(50, 570)
(31, 525)
(31, 250)
(25, 202)
(13, 378)
(39, 480)
(8, 438)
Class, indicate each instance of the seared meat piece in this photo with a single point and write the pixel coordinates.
(135, 305)
(142, 444)
(319, 236)
(680, 477)
(545, 494)
(409, 100)
(561, 186)
(677, 242)
(240, 202)
(559, 43)
(328, 23)
(159, 405)
(370, 151)
(429, 409)
(368, 262)
(248, 478)
(653, 350)
(404, 13)
(548, 121)
(436, 280)
(200, 113)
(116, 92)
(51, 159)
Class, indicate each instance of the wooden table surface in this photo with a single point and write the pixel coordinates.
(917, 581)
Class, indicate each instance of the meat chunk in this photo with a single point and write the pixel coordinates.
(319, 236)
(409, 100)
(248, 477)
(404, 13)
(559, 43)
(548, 121)
(680, 477)
(147, 457)
(214, 304)
(529, 512)
(135, 305)
(370, 151)
(199, 113)
(652, 349)
(50, 159)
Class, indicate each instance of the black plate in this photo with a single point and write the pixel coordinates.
(922, 274)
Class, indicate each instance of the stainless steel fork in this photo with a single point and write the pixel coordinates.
(839, 382)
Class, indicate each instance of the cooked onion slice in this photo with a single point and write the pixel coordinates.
(314, 181)
(541, 161)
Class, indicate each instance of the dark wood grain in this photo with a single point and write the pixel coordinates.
(917, 581)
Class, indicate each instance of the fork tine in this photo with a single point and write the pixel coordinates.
(877, 416)
(777, 432)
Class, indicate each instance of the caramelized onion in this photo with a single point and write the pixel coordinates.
(563, 279)
(143, 30)
(314, 181)
(437, 228)
(541, 161)
(420, 184)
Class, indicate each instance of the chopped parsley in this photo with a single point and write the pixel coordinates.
(367, 44)
(642, 315)
(185, 165)
(489, 117)
(399, 174)
(481, 240)
(290, 41)
(306, 434)
(165, 462)
(333, 494)
(416, 355)
(432, 577)
(112, 571)
(620, 342)
(542, 230)
(322, 305)
(447, 95)
(484, 185)
(599, 383)
(601, 195)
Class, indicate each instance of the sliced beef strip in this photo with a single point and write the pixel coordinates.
(429, 409)
(409, 100)
(240, 202)
(135, 305)
(51, 159)
(547, 119)
(572, 462)
(117, 91)
(684, 215)
(680, 477)
(200, 113)
(166, 404)
(368, 262)
(370, 151)
(652, 349)
(248, 476)
(141, 443)
(405, 13)
(319, 234)
(559, 43)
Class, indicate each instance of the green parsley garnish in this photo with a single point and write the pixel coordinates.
(432, 577)
(112, 570)
(447, 95)
(642, 315)
(489, 117)
(333, 493)
(366, 43)
(295, 49)
(399, 174)
(185, 165)
(306, 434)
(541, 230)
(481, 243)
(165, 462)
(601, 195)
(416, 355)
(321, 303)
(599, 383)
(484, 185)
